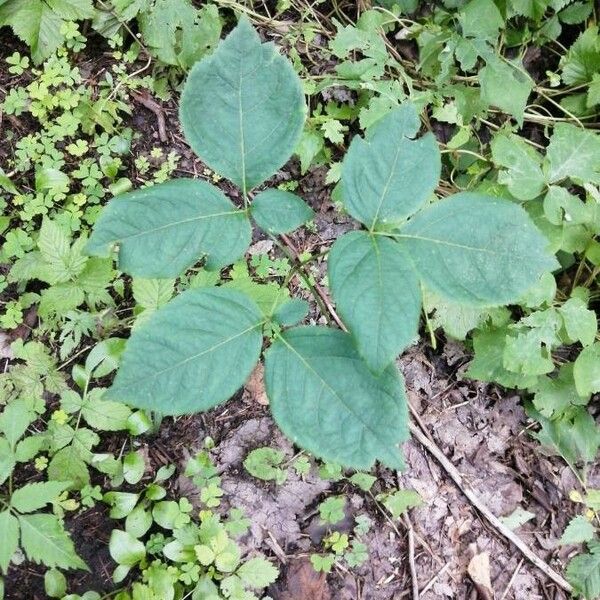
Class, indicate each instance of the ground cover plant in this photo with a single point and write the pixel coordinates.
(403, 209)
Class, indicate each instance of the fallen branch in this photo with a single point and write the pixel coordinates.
(474, 499)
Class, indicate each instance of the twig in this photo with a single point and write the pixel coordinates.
(512, 579)
(502, 529)
(411, 557)
(145, 100)
(324, 297)
(430, 583)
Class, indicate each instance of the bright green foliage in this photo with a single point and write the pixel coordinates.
(175, 363)
(377, 293)
(400, 501)
(332, 510)
(255, 104)
(388, 175)
(476, 249)
(325, 399)
(583, 572)
(162, 230)
(586, 371)
(276, 211)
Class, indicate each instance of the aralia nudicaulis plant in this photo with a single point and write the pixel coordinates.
(337, 394)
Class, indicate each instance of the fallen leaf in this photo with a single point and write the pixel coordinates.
(254, 389)
(479, 572)
(302, 582)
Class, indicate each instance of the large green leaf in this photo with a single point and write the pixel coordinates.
(162, 230)
(242, 108)
(324, 398)
(277, 211)
(33, 496)
(191, 354)
(387, 176)
(377, 293)
(9, 534)
(477, 249)
(45, 541)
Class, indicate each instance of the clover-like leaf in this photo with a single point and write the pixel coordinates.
(191, 354)
(256, 107)
(162, 230)
(277, 211)
(476, 249)
(324, 397)
(377, 294)
(388, 175)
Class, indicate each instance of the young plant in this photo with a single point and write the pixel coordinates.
(337, 394)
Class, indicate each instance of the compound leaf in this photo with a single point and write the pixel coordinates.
(9, 534)
(277, 211)
(324, 398)
(387, 175)
(477, 249)
(162, 230)
(256, 107)
(377, 293)
(45, 541)
(191, 354)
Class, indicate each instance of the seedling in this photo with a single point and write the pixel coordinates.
(337, 394)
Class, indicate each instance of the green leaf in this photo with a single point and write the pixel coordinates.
(179, 34)
(481, 19)
(151, 294)
(580, 322)
(105, 415)
(15, 419)
(256, 108)
(331, 510)
(7, 460)
(579, 530)
(324, 398)
(45, 541)
(162, 230)
(573, 153)
(582, 60)
(477, 249)
(34, 496)
(583, 572)
(587, 371)
(401, 500)
(376, 290)
(67, 464)
(276, 211)
(35, 23)
(523, 177)
(55, 583)
(176, 362)
(387, 175)
(291, 312)
(258, 573)
(506, 86)
(263, 463)
(133, 467)
(125, 549)
(9, 534)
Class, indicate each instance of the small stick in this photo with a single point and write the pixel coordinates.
(500, 527)
(512, 579)
(430, 583)
(145, 100)
(411, 556)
